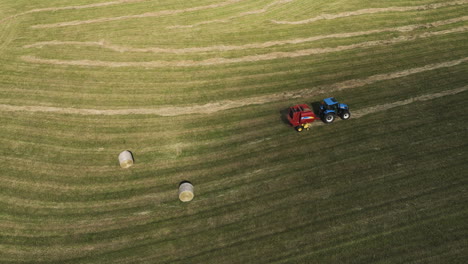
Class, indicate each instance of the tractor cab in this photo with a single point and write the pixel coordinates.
(330, 104)
(330, 108)
(300, 116)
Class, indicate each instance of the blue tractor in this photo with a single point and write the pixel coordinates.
(330, 108)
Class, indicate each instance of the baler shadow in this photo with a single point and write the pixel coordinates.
(133, 156)
(284, 115)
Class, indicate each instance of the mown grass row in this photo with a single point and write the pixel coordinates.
(196, 136)
(385, 187)
(298, 153)
(237, 146)
(229, 35)
(311, 179)
(203, 92)
(129, 85)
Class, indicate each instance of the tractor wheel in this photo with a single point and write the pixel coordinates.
(328, 118)
(345, 115)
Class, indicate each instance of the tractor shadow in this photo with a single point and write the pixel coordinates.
(316, 107)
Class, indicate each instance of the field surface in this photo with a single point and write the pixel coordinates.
(198, 90)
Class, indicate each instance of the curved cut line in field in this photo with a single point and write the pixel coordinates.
(78, 227)
(371, 11)
(127, 242)
(120, 204)
(234, 217)
(245, 189)
(114, 187)
(100, 205)
(228, 19)
(426, 97)
(99, 187)
(119, 48)
(364, 239)
(52, 9)
(186, 229)
(251, 58)
(55, 169)
(148, 14)
(10, 227)
(229, 104)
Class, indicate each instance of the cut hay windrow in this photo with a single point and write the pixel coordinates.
(248, 58)
(373, 11)
(82, 81)
(228, 19)
(230, 104)
(120, 48)
(77, 7)
(144, 15)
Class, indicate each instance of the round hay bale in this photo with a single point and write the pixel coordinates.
(125, 159)
(186, 192)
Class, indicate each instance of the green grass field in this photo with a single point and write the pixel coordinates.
(197, 91)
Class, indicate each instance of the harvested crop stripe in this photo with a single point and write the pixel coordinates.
(251, 58)
(148, 14)
(371, 11)
(229, 104)
(119, 48)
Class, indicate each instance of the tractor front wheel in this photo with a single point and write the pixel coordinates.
(345, 115)
(299, 128)
(328, 118)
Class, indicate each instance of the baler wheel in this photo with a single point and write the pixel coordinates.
(299, 128)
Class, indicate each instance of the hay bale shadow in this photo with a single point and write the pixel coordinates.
(182, 182)
(133, 156)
